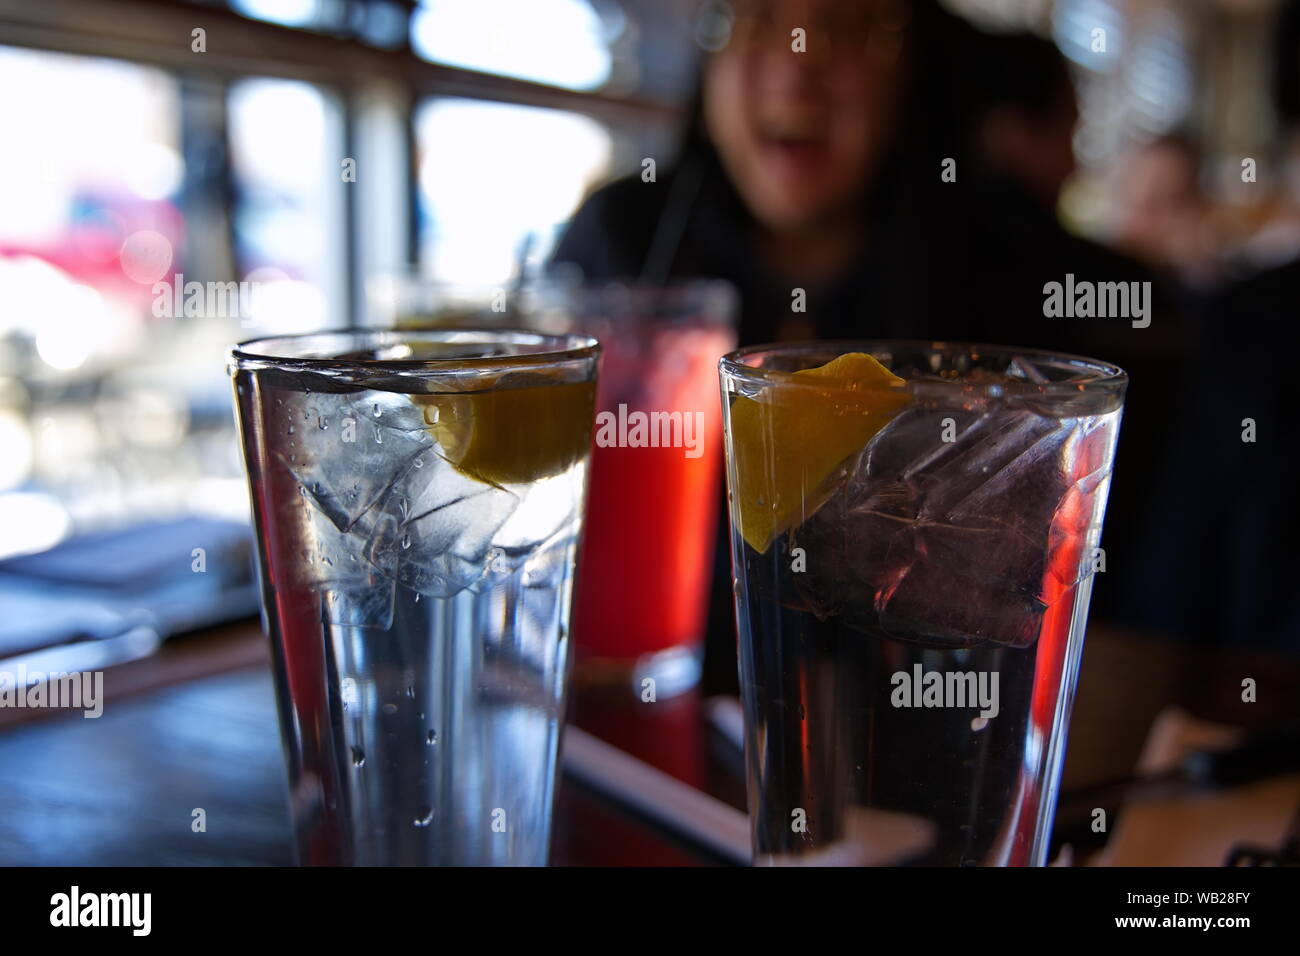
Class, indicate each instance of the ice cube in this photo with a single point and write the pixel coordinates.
(352, 592)
(364, 600)
(387, 508)
(347, 453)
(434, 528)
(945, 541)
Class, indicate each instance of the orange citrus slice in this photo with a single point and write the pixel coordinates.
(504, 436)
(789, 440)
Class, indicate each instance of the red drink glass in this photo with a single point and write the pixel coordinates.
(655, 483)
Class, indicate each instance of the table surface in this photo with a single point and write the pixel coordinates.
(195, 727)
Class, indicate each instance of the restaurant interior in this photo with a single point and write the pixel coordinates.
(179, 176)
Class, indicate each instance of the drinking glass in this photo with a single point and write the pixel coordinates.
(915, 528)
(641, 599)
(418, 498)
(656, 477)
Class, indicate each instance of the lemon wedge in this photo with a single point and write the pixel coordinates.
(504, 436)
(790, 439)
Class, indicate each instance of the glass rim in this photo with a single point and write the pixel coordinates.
(1109, 377)
(557, 348)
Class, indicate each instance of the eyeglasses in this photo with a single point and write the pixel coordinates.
(840, 30)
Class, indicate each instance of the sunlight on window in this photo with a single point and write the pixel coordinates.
(290, 13)
(273, 124)
(558, 42)
(286, 144)
(492, 175)
(96, 168)
(97, 128)
(91, 186)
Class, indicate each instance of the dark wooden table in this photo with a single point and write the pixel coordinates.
(195, 727)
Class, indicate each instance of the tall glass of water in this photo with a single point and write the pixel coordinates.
(418, 498)
(915, 527)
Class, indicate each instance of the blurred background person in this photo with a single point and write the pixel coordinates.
(1220, 561)
(1162, 215)
(790, 164)
(860, 172)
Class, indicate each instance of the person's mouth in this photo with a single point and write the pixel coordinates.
(795, 146)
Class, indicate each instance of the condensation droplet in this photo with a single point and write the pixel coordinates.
(290, 429)
(390, 709)
(431, 737)
(358, 757)
(378, 411)
(425, 817)
(406, 541)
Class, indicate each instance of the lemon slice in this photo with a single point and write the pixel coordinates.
(504, 436)
(789, 440)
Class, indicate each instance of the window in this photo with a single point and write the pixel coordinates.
(559, 42)
(497, 181)
(473, 129)
(96, 391)
(286, 144)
